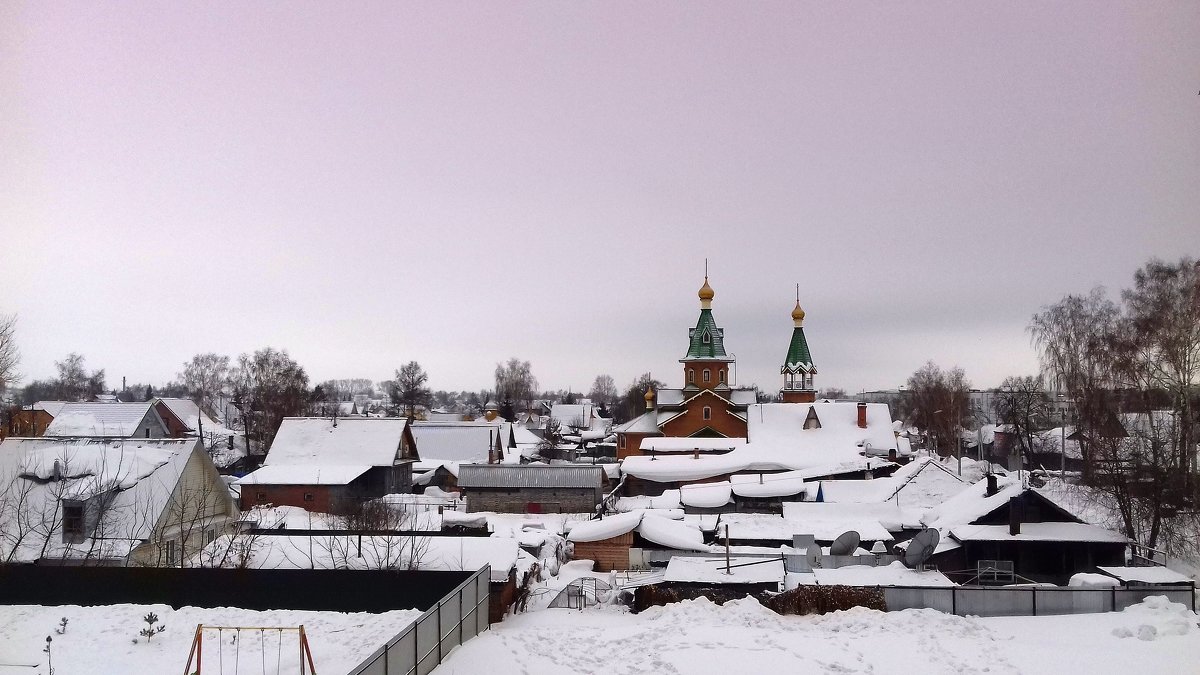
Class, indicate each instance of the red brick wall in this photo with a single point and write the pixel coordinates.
(715, 369)
(633, 445)
(692, 420)
(324, 496)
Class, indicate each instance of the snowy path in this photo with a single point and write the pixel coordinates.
(99, 640)
(698, 637)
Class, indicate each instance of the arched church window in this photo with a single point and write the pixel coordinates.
(721, 376)
(707, 375)
(691, 376)
(705, 338)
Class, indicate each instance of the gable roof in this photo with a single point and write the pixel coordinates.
(646, 423)
(113, 420)
(921, 484)
(370, 441)
(457, 441)
(139, 474)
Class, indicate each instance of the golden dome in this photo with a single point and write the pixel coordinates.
(706, 291)
(798, 314)
(649, 397)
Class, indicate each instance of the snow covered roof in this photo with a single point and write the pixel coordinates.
(117, 420)
(706, 495)
(893, 518)
(605, 528)
(1081, 532)
(374, 441)
(671, 533)
(456, 441)
(703, 570)
(646, 423)
(190, 414)
(304, 474)
(573, 414)
(51, 407)
(1147, 575)
(922, 483)
(331, 551)
(744, 526)
(689, 444)
(838, 435)
(895, 574)
(971, 504)
(140, 474)
(781, 484)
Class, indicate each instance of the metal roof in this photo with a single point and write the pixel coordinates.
(527, 476)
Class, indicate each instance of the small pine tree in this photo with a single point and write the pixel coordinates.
(151, 630)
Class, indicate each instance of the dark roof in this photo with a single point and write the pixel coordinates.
(698, 347)
(529, 476)
(798, 356)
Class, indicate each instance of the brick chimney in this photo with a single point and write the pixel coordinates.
(862, 415)
(992, 486)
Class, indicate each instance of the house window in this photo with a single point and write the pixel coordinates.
(621, 440)
(721, 376)
(260, 497)
(707, 413)
(308, 496)
(691, 376)
(73, 520)
(147, 432)
(170, 545)
(707, 375)
(210, 536)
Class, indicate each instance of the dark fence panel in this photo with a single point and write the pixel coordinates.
(332, 590)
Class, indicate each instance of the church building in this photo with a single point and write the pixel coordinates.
(708, 405)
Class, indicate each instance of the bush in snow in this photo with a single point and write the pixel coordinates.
(150, 630)
(62, 626)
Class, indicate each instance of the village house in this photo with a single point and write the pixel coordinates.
(109, 501)
(1000, 531)
(32, 420)
(329, 465)
(147, 419)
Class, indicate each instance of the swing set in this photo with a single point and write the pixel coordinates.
(197, 651)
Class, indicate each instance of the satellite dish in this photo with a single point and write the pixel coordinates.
(845, 544)
(921, 547)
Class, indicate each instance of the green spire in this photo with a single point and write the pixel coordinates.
(798, 357)
(706, 341)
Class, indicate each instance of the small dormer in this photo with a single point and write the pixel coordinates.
(812, 421)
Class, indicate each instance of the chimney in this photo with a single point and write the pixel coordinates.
(992, 486)
(1016, 513)
(862, 415)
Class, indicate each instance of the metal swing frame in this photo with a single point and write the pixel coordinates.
(196, 653)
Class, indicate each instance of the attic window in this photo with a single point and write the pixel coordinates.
(147, 432)
(812, 421)
(705, 338)
(72, 520)
(707, 410)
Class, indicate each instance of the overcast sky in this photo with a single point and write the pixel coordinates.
(457, 183)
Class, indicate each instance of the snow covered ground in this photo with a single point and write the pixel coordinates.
(100, 640)
(697, 637)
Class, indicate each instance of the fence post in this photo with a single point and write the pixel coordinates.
(953, 601)
(1114, 598)
(1034, 592)
(439, 643)
(416, 647)
(460, 615)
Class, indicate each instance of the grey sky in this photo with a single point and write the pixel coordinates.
(461, 183)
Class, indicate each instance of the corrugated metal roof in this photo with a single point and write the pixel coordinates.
(501, 476)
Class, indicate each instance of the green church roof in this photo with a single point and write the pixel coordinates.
(706, 341)
(798, 356)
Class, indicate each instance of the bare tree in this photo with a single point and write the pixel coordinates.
(604, 390)
(267, 386)
(74, 383)
(515, 384)
(204, 377)
(10, 356)
(1022, 403)
(940, 401)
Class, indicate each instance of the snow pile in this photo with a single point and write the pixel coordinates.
(1092, 580)
(746, 612)
(605, 528)
(706, 495)
(675, 534)
(1156, 617)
